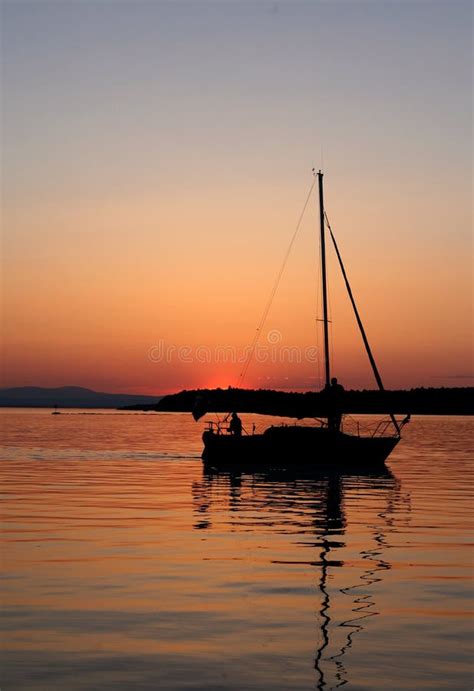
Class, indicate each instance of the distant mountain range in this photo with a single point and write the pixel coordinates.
(69, 397)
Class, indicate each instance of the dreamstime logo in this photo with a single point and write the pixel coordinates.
(274, 337)
(271, 351)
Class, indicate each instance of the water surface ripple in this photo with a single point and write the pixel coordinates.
(126, 566)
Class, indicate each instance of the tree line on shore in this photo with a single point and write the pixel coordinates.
(421, 401)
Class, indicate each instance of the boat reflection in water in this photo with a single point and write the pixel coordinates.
(310, 508)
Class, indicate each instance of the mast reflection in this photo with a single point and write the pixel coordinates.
(325, 495)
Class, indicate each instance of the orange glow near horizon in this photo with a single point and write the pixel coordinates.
(87, 315)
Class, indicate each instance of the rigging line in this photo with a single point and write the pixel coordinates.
(268, 305)
(378, 378)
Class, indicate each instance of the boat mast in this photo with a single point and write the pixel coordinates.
(324, 281)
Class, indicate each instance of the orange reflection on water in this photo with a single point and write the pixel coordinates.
(117, 544)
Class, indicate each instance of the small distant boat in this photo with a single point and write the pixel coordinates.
(56, 411)
(324, 445)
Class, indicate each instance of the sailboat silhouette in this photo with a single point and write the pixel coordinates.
(316, 446)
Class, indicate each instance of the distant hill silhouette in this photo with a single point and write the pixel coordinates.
(68, 397)
(440, 401)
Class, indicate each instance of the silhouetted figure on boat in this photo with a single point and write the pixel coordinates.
(335, 394)
(235, 426)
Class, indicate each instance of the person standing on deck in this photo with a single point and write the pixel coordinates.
(235, 426)
(335, 400)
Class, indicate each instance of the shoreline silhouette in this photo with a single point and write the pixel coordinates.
(419, 401)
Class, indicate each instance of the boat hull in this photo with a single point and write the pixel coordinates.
(296, 447)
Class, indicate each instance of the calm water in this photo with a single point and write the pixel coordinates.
(125, 566)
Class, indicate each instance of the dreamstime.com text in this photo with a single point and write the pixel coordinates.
(272, 351)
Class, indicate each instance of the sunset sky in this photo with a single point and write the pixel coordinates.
(157, 155)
